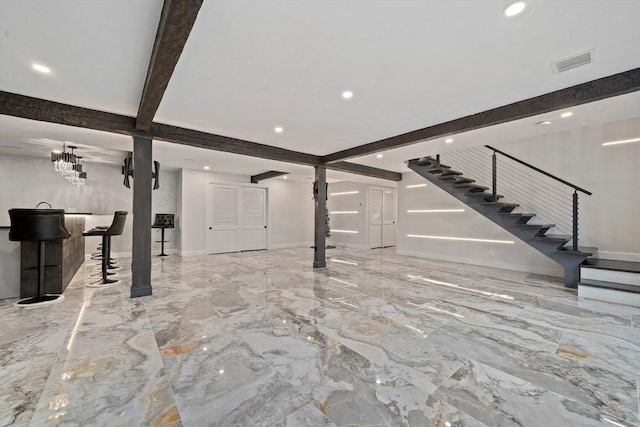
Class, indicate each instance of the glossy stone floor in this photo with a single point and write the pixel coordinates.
(376, 339)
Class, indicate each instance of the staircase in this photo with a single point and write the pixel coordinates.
(507, 216)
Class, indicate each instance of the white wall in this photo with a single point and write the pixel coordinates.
(468, 224)
(291, 213)
(289, 218)
(25, 181)
(608, 218)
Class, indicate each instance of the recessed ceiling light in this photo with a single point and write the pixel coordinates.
(566, 114)
(379, 156)
(448, 140)
(347, 94)
(41, 68)
(284, 177)
(543, 123)
(207, 168)
(278, 129)
(514, 9)
(624, 141)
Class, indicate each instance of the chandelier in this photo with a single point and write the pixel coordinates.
(68, 165)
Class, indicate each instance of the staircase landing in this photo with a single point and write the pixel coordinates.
(610, 280)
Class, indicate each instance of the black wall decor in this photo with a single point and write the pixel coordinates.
(127, 171)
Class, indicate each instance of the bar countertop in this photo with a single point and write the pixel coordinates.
(65, 214)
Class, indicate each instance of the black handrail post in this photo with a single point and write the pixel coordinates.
(438, 159)
(494, 175)
(575, 220)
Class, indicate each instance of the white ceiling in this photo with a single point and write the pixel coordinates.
(249, 66)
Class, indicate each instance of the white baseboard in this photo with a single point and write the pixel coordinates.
(619, 256)
(486, 263)
(292, 245)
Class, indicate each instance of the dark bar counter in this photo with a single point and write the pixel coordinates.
(63, 258)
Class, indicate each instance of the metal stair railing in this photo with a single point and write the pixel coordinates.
(551, 198)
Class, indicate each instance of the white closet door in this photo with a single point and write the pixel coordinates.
(253, 229)
(375, 218)
(389, 218)
(223, 219)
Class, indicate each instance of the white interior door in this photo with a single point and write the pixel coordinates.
(253, 228)
(389, 218)
(223, 219)
(382, 217)
(236, 218)
(375, 217)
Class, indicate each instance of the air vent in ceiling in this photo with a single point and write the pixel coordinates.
(573, 62)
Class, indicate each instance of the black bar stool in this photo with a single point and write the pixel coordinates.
(115, 229)
(163, 221)
(38, 225)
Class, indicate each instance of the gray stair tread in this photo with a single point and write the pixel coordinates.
(444, 175)
(516, 214)
(582, 251)
(505, 204)
(479, 193)
(610, 285)
(436, 169)
(464, 180)
(449, 172)
(611, 264)
(471, 185)
(536, 225)
(554, 237)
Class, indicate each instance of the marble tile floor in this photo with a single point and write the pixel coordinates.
(376, 339)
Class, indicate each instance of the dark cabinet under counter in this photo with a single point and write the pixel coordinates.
(63, 258)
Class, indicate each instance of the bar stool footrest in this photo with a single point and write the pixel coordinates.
(33, 302)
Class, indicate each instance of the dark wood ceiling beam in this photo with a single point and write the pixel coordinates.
(26, 107)
(595, 90)
(358, 169)
(210, 141)
(266, 175)
(176, 21)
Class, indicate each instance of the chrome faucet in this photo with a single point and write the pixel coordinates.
(47, 203)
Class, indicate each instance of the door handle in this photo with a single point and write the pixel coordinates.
(210, 228)
(265, 226)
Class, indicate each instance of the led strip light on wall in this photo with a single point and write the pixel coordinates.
(624, 141)
(344, 192)
(416, 185)
(434, 210)
(465, 239)
(345, 231)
